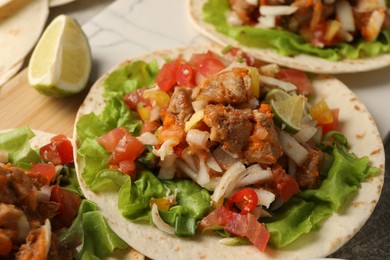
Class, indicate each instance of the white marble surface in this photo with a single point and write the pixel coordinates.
(129, 28)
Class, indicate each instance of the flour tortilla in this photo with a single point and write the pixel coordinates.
(302, 62)
(356, 124)
(21, 24)
(54, 3)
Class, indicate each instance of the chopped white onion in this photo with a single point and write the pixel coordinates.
(186, 169)
(223, 158)
(305, 134)
(231, 66)
(189, 158)
(365, 6)
(166, 148)
(47, 229)
(227, 183)
(292, 148)
(44, 193)
(167, 167)
(160, 224)
(276, 10)
(270, 69)
(292, 168)
(203, 173)
(375, 24)
(286, 86)
(264, 197)
(345, 15)
(197, 138)
(233, 19)
(155, 113)
(259, 212)
(254, 174)
(198, 105)
(266, 21)
(148, 138)
(212, 163)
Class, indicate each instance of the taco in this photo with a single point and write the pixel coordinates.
(21, 25)
(315, 36)
(42, 210)
(189, 152)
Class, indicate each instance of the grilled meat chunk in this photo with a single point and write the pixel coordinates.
(180, 104)
(308, 175)
(228, 88)
(229, 126)
(264, 146)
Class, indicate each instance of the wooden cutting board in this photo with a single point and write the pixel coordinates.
(22, 105)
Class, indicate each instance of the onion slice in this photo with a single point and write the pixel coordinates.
(160, 224)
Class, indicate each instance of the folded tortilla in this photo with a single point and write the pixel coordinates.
(302, 61)
(21, 24)
(357, 125)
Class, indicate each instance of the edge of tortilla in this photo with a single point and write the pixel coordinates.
(22, 22)
(356, 123)
(303, 62)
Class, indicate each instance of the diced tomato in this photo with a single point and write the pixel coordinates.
(166, 78)
(237, 225)
(64, 148)
(45, 169)
(127, 149)
(284, 183)
(185, 75)
(128, 167)
(206, 64)
(334, 125)
(246, 199)
(298, 78)
(58, 151)
(69, 203)
(111, 139)
(133, 98)
(218, 217)
(257, 233)
(248, 226)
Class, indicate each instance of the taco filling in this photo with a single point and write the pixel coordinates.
(222, 143)
(332, 30)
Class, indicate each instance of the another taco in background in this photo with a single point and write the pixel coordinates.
(21, 24)
(180, 147)
(338, 37)
(42, 210)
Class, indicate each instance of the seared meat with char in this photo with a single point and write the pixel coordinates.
(264, 146)
(229, 126)
(227, 88)
(308, 175)
(180, 105)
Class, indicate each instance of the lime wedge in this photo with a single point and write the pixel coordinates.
(276, 94)
(288, 112)
(61, 62)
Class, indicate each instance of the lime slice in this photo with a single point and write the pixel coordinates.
(61, 62)
(288, 112)
(276, 94)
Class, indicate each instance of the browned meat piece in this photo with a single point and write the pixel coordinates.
(180, 104)
(245, 11)
(229, 126)
(308, 175)
(230, 87)
(264, 146)
(17, 188)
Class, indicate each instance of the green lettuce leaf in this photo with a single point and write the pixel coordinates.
(17, 145)
(193, 202)
(128, 78)
(308, 209)
(288, 43)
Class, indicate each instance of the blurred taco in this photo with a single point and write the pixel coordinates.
(316, 36)
(203, 152)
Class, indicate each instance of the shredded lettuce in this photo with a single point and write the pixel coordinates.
(288, 43)
(17, 144)
(308, 209)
